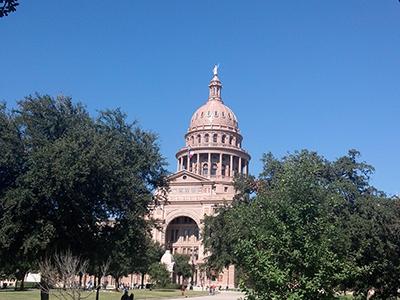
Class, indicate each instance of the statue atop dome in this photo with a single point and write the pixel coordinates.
(215, 70)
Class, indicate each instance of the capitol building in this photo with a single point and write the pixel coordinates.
(206, 165)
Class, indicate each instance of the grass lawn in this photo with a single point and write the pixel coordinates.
(104, 295)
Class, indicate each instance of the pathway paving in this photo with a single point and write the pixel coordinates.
(218, 296)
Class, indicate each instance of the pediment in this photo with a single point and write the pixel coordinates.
(185, 176)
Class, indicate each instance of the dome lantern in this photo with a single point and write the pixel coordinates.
(215, 86)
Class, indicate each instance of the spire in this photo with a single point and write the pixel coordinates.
(215, 86)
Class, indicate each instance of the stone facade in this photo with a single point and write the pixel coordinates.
(206, 165)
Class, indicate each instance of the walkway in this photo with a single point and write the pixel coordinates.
(218, 296)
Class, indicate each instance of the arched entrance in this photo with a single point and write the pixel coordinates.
(183, 236)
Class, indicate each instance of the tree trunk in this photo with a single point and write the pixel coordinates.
(97, 292)
(44, 295)
(117, 283)
(84, 281)
(142, 284)
(22, 286)
(80, 279)
(20, 277)
(44, 288)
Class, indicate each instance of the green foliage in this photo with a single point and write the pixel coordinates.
(7, 6)
(182, 266)
(312, 228)
(74, 182)
(159, 275)
(373, 247)
(151, 252)
(221, 234)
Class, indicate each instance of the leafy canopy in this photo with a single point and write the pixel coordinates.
(70, 181)
(312, 228)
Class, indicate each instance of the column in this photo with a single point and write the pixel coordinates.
(188, 162)
(209, 165)
(246, 166)
(231, 166)
(198, 164)
(177, 165)
(220, 165)
(240, 165)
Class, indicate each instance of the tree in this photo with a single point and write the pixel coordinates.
(61, 272)
(221, 233)
(373, 247)
(7, 6)
(16, 228)
(182, 267)
(159, 274)
(151, 253)
(81, 183)
(308, 231)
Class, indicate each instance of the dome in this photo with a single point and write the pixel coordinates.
(214, 114)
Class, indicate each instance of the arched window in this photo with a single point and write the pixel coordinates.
(214, 170)
(192, 140)
(205, 169)
(198, 139)
(223, 138)
(206, 138)
(231, 140)
(215, 138)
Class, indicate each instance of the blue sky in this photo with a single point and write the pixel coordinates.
(321, 75)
